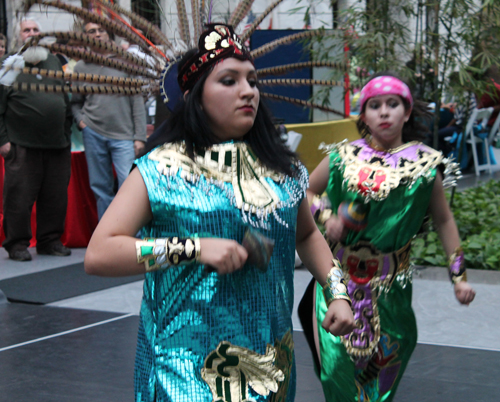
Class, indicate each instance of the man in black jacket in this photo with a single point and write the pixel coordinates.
(35, 130)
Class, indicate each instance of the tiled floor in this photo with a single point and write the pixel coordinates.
(82, 349)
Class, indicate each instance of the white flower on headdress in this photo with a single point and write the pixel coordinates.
(211, 40)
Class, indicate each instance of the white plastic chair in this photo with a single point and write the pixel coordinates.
(481, 115)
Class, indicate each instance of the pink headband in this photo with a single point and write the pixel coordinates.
(385, 85)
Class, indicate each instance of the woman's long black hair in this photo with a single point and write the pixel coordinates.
(189, 123)
(417, 126)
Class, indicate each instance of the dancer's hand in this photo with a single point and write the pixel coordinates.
(464, 293)
(225, 256)
(339, 319)
(335, 229)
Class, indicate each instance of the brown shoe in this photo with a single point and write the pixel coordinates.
(20, 255)
(56, 249)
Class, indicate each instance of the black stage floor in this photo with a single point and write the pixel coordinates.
(50, 354)
(57, 284)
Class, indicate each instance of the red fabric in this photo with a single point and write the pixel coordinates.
(81, 217)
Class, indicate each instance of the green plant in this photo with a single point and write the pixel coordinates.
(477, 214)
(424, 41)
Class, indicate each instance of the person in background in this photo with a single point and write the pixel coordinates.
(35, 130)
(113, 127)
(3, 45)
(492, 98)
(461, 112)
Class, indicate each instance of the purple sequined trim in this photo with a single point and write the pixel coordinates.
(457, 263)
(410, 153)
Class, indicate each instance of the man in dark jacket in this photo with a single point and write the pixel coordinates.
(35, 129)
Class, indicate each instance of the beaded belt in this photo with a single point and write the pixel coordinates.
(363, 263)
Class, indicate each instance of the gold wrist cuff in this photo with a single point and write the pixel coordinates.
(336, 287)
(456, 266)
(163, 253)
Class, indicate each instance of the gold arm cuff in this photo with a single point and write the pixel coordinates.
(139, 244)
(456, 266)
(336, 287)
(197, 248)
(162, 253)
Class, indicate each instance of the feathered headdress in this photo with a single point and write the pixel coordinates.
(157, 69)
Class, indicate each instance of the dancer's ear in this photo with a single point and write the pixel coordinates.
(408, 114)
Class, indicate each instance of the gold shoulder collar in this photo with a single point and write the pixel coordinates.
(233, 163)
(374, 174)
(219, 162)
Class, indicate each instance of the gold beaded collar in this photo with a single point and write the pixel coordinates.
(228, 162)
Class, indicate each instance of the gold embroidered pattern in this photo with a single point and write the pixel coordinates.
(368, 272)
(363, 340)
(230, 370)
(284, 360)
(375, 178)
(364, 263)
(234, 163)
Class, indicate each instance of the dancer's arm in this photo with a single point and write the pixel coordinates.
(448, 234)
(318, 181)
(317, 257)
(112, 248)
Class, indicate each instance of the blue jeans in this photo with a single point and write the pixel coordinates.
(102, 154)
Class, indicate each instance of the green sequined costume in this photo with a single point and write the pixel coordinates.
(203, 336)
(368, 364)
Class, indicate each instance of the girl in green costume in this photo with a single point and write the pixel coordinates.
(381, 186)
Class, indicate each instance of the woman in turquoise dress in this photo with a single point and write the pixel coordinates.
(222, 206)
(381, 187)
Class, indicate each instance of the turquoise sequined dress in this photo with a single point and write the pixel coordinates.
(203, 336)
